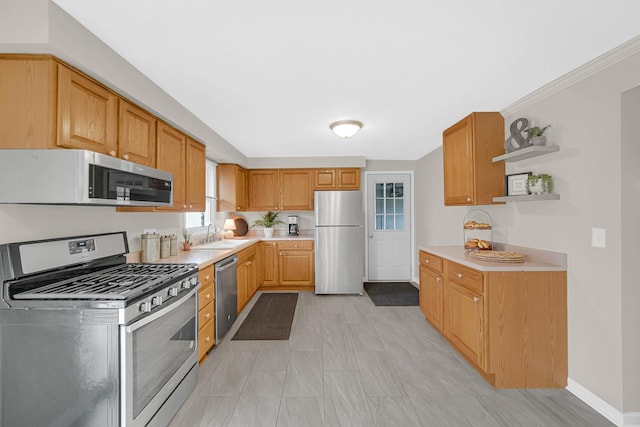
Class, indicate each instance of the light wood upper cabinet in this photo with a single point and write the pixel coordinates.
(348, 179)
(195, 176)
(87, 114)
(296, 189)
(263, 190)
(337, 179)
(136, 134)
(231, 188)
(28, 102)
(470, 176)
(171, 150)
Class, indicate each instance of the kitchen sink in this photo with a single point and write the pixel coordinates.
(221, 244)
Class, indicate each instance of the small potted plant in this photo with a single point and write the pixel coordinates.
(186, 234)
(538, 184)
(267, 221)
(536, 135)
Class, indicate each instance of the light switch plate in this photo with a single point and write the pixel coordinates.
(598, 237)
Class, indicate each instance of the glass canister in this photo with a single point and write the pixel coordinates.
(149, 247)
(165, 246)
(173, 245)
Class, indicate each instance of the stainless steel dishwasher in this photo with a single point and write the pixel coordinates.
(226, 295)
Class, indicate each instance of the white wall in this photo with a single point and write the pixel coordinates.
(585, 112)
(630, 264)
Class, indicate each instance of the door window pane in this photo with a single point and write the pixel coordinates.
(389, 206)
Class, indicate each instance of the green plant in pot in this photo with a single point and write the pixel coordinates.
(267, 221)
(537, 136)
(538, 184)
(186, 234)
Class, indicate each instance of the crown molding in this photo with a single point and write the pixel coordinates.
(598, 64)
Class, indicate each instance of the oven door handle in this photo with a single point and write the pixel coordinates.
(154, 316)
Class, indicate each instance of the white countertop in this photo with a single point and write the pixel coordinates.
(535, 259)
(207, 257)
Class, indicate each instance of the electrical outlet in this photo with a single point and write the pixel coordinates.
(598, 237)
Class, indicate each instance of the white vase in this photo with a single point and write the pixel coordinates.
(268, 232)
(538, 140)
(536, 188)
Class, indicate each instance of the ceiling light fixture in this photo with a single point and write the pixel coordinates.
(346, 128)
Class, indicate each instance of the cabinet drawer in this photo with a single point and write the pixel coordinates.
(467, 277)
(205, 296)
(299, 244)
(205, 275)
(431, 261)
(205, 338)
(205, 315)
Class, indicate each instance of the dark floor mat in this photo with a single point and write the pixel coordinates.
(270, 318)
(392, 293)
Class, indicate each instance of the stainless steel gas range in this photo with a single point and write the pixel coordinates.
(88, 340)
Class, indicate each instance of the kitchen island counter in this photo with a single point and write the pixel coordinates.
(535, 259)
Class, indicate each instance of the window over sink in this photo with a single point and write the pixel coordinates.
(203, 219)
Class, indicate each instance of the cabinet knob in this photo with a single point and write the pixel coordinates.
(184, 206)
(437, 279)
(280, 253)
(476, 299)
(208, 296)
(426, 261)
(207, 315)
(276, 208)
(112, 153)
(190, 206)
(126, 157)
(468, 199)
(295, 246)
(459, 275)
(207, 339)
(206, 277)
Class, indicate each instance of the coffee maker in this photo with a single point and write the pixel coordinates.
(294, 229)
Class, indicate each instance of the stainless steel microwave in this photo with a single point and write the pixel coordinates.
(80, 177)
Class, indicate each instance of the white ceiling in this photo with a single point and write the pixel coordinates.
(270, 76)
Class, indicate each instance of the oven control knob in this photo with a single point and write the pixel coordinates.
(157, 300)
(193, 281)
(173, 292)
(145, 307)
(186, 284)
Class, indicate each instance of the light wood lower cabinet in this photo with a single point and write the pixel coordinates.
(510, 325)
(206, 312)
(247, 271)
(287, 263)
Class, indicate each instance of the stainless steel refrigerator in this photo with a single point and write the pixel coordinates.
(339, 236)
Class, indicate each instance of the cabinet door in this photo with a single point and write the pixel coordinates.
(263, 190)
(196, 174)
(87, 114)
(269, 264)
(296, 187)
(242, 282)
(325, 179)
(467, 331)
(457, 149)
(171, 157)
(348, 179)
(252, 285)
(431, 296)
(28, 103)
(136, 134)
(296, 267)
(232, 188)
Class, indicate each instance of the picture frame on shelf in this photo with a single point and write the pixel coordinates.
(516, 184)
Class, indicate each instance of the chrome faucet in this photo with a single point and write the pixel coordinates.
(209, 237)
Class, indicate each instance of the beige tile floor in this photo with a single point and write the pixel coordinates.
(349, 363)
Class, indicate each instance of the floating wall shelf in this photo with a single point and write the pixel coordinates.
(526, 153)
(527, 198)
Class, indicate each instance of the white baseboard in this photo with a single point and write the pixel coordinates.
(629, 419)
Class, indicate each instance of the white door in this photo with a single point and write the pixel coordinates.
(389, 227)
